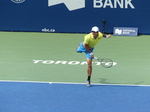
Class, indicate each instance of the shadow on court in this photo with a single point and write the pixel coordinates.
(104, 81)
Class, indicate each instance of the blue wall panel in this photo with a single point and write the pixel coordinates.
(38, 15)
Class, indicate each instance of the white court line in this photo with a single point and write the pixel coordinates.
(73, 83)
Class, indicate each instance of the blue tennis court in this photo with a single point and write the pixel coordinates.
(65, 97)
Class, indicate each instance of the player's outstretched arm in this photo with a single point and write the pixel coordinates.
(106, 36)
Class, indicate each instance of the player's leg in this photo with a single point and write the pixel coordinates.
(89, 71)
(80, 48)
(77, 49)
(89, 67)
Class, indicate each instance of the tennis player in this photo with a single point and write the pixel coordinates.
(90, 40)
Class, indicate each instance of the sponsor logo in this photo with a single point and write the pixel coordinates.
(18, 1)
(66, 62)
(117, 31)
(48, 30)
(71, 5)
(78, 4)
(113, 4)
(125, 31)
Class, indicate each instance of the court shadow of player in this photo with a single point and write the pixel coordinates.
(139, 83)
(104, 81)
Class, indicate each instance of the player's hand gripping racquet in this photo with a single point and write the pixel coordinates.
(107, 63)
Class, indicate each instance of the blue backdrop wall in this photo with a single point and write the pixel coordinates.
(73, 15)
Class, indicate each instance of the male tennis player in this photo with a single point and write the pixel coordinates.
(90, 40)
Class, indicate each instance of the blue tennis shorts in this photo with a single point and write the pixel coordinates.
(82, 49)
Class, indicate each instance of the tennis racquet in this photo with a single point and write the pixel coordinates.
(107, 63)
